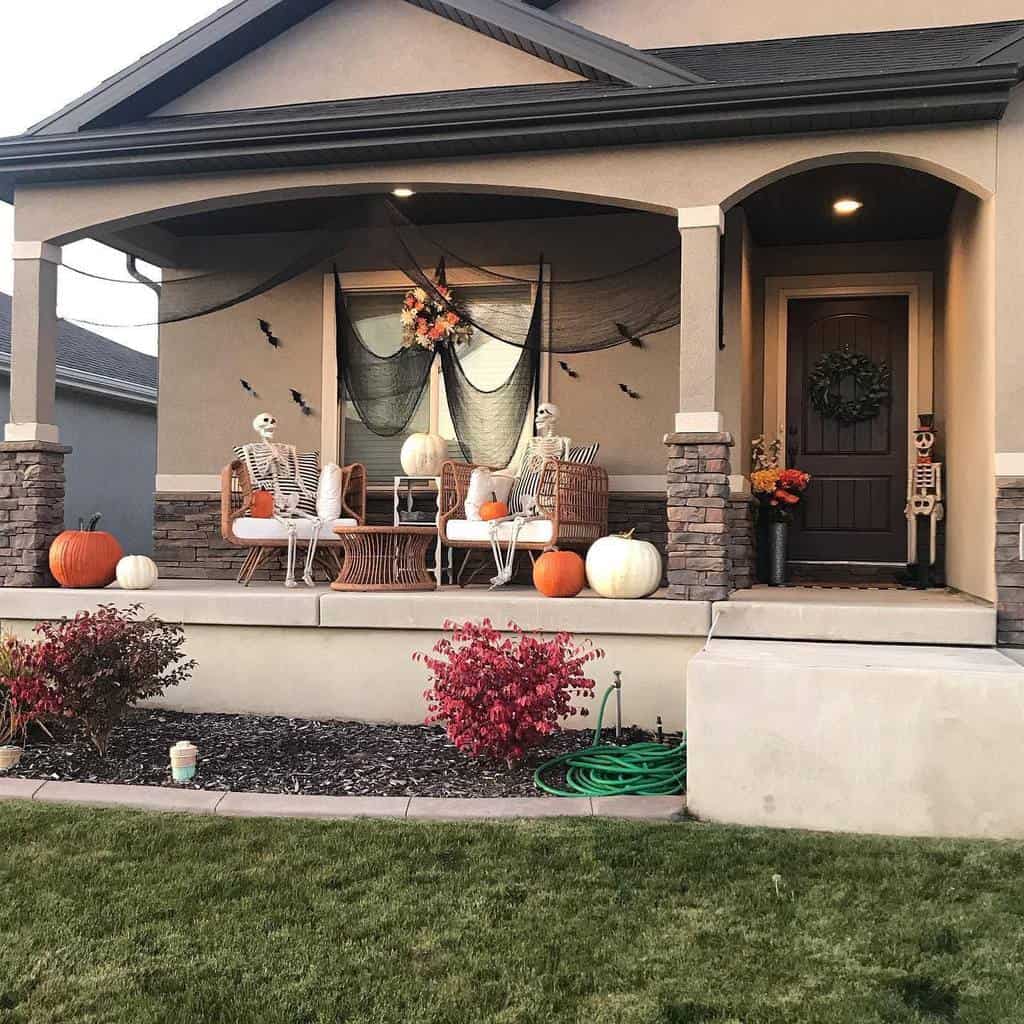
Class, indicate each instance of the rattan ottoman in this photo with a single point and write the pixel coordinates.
(385, 558)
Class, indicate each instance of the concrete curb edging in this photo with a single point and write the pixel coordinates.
(285, 805)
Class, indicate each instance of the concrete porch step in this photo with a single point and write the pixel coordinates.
(878, 616)
(900, 740)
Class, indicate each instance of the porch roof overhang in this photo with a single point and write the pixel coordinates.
(518, 119)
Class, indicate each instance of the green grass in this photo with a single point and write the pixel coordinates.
(111, 916)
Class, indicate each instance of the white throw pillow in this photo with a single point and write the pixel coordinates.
(486, 485)
(328, 492)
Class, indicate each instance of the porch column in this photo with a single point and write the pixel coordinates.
(31, 459)
(699, 563)
(700, 229)
(34, 343)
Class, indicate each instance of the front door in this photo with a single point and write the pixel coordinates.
(856, 451)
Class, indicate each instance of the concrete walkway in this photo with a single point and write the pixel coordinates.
(284, 805)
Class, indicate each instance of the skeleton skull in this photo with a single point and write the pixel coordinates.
(265, 425)
(924, 441)
(547, 416)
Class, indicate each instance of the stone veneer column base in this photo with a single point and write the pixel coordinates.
(31, 510)
(1009, 567)
(739, 516)
(699, 561)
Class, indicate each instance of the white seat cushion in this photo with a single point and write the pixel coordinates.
(537, 531)
(248, 528)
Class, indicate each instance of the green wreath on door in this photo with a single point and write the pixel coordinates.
(872, 386)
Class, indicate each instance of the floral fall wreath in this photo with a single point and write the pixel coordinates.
(429, 320)
(871, 386)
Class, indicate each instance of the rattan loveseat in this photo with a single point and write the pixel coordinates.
(572, 503)
(262, 537)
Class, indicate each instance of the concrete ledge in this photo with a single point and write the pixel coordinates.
(190, 603)
(586, 614)
(146, 798)
(286, 805)
(428, 808)
(644, 808)
(920, 741)
(857, 616)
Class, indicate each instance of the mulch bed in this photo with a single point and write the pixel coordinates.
(248, 753)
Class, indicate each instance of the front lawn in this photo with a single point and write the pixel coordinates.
(121, 917)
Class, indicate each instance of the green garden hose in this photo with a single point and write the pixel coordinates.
(604, 769)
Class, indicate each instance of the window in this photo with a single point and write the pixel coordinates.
(487, 364)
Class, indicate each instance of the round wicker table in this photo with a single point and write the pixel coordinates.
(385, 558)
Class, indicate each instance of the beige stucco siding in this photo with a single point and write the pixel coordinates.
(652, 23)
(659, 178)
(357, 48)
(204, 410)
(968, 390)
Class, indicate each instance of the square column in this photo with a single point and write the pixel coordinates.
(700, 229)
(34, 344)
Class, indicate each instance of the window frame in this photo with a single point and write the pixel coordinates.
(332, 424)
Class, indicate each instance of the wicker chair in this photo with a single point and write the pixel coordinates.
(262, 536)
(572, 500)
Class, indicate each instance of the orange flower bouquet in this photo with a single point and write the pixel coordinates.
(779, 490)
(429, 319)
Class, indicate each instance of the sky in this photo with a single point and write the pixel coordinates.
(52, 51)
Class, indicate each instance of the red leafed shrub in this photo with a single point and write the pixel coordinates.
(102, 662)
(26, 696)
(501, 694)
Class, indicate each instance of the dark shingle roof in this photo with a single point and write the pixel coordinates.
(79, 349)
(841, 56)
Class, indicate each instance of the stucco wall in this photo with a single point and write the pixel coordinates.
(203, 413)
(355, 48)
(111, 467)
(968, 416)
(651, 23)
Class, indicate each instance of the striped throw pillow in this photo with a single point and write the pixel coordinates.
(524, 489)
(309, 471)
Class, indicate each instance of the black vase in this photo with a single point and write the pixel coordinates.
(779, 534)
(762, 546)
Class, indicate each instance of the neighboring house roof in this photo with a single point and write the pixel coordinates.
(818, 83)
(90, 362)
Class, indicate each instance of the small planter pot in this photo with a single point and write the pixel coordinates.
(778, 534)
(9, 758)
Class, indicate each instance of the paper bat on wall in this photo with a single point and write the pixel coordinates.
(248, 388)
(301, 402)
(627, 390)
(272, 339)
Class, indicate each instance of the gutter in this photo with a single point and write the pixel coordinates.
(95, 383)
(325, 133)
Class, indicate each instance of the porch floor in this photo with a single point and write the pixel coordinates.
(854, 614)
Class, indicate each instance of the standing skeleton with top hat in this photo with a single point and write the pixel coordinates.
(924, 496)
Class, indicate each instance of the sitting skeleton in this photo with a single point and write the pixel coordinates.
(545, 445)
(280, 462)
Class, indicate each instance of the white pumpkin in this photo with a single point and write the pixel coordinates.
(619, 566)
(423, 454)
(136, 572)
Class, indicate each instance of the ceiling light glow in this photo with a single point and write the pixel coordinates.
(402, 193)
(845, 206)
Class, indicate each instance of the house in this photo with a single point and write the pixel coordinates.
(106, 410)
(826, 180)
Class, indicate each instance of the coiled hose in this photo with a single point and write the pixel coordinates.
(604, 769)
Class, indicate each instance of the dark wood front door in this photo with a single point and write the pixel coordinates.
(853, 510)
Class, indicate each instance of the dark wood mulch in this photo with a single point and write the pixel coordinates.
(248, 753)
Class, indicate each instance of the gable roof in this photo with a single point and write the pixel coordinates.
(244, 25)
(90, 362)
(818, 83)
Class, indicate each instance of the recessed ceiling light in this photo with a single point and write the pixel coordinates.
(844, 207)
(402, 193)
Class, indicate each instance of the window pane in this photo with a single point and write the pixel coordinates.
(376, 316)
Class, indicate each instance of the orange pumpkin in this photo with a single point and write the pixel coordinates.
(559, 573)
(493, 509)
(262, 505)
(85, 557)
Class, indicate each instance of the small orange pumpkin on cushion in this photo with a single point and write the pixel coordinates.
(262, 505)
(493, 509)
(559, 573)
